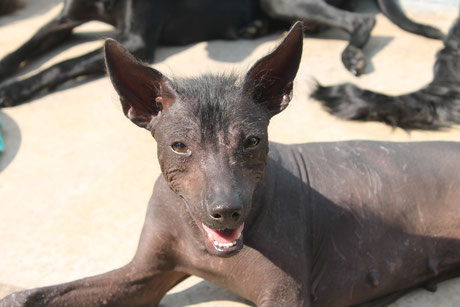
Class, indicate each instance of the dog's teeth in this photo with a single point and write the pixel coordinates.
(238, 236)
(223, 245)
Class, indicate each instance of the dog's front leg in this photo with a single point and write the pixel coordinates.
(142, 282)
(127, 286)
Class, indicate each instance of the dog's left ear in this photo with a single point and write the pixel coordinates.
(144, 92)
(269, 81)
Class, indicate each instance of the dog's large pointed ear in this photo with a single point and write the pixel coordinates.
(144, 92)
(269, 81)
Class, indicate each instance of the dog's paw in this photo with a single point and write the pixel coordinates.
(13, 94)
(354, 60)
(5, 99)
(3, 103)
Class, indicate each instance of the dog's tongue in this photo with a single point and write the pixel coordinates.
(223, 236)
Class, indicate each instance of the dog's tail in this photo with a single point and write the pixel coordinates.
(393, 11)
(9, 6)
(435, 106)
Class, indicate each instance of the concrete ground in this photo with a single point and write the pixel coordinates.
(76, 174)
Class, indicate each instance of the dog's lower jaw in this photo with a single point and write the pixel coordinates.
(223, 249)
(213, 248)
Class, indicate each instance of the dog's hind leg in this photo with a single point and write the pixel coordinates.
(357, 25)
(87, 65)
(17, 92)
(140, 35)
(49, 36)
(59, 30)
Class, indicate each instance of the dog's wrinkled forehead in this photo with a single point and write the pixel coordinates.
(216, 104)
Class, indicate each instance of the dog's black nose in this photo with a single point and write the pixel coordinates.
(226, 215)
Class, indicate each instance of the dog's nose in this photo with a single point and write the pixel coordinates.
(226, 215)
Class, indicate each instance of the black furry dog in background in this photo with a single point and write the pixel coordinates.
(142, 26)
(435, 106)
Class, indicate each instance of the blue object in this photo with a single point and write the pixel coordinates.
(2, 147)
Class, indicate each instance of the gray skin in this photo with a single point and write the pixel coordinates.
(325, 224)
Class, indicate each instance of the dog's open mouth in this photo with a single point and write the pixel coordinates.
(224, 241)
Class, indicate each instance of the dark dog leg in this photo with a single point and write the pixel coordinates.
(142, 282)
(122, 287)
(91, 64)
(139, 38)
(49, 36)
(357, 25)
(15, 93)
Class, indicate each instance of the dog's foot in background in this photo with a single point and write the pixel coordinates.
(354, 60)
(353, 57)
(4, 100)
(11, 95)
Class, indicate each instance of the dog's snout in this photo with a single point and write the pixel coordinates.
(226, 215)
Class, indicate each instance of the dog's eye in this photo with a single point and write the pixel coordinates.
(180, 148)
(251, 142)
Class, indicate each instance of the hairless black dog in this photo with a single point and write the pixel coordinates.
(143, 25)
(322, 224)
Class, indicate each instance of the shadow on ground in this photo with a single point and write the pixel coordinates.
(11, 138)
(195, 295)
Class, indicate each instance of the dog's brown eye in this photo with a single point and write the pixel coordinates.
(180, 148)
(251, 142)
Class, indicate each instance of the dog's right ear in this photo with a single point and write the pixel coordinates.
(144, 92)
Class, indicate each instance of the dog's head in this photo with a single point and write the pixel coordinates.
(211, 132)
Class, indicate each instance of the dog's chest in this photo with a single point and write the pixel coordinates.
(249, 274)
